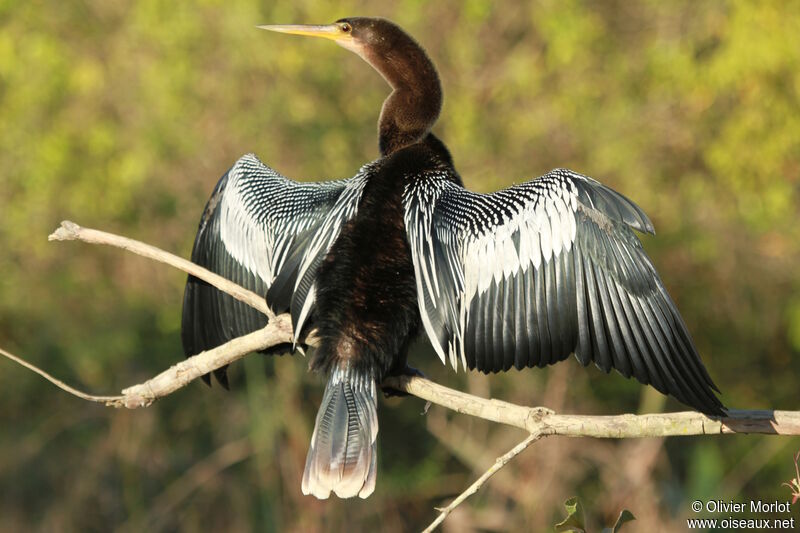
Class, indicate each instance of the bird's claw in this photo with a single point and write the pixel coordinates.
(389, 392)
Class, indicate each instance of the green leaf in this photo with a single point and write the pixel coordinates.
(574, 520)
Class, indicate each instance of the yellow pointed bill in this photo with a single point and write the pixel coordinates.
(333, 32)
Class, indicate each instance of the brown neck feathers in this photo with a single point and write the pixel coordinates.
(416, 99)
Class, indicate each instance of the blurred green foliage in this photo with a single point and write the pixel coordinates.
(122, 115)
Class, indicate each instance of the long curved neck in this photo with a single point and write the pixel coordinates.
(416, 99)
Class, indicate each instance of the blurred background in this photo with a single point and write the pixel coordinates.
(122, 116)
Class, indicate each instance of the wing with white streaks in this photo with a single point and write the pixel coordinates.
(264, 232)
(530, 274)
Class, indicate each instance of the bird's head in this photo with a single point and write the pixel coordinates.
(414, 105)
(357, 34)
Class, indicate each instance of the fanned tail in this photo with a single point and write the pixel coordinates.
(343, 456)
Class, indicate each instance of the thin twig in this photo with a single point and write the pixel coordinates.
(181, 374)
(69, 231)
(278, 331)
(58, 383)
(499, 463)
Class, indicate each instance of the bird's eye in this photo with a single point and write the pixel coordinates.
(347, 28)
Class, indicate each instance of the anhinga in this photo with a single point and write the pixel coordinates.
(518, 278)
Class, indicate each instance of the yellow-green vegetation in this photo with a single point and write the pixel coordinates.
(122, 116)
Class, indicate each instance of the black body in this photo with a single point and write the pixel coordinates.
(367, 309)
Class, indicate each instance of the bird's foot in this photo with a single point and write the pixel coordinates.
(389, 392)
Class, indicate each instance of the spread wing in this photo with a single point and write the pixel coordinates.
(530, 274)
(268, 234)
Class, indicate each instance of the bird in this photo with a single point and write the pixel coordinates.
(522, 277)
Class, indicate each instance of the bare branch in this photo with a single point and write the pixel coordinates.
(544, 421)
(69, 231)
(538, 422)
(499, 463)
(279, 331)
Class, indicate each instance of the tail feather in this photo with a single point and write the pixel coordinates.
(343, 455)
